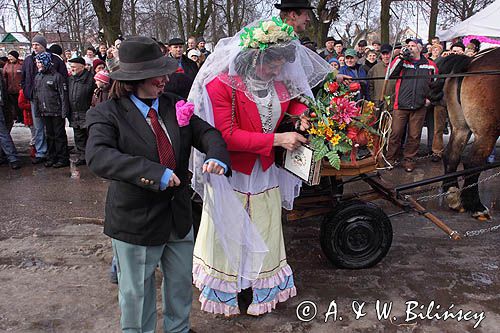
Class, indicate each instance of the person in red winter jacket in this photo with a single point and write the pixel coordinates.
(25, 106)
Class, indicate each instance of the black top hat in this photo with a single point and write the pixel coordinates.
(294, 4)
(141, 58)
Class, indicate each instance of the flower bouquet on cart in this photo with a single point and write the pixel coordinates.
(341, 125)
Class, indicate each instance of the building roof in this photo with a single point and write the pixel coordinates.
(15, 37)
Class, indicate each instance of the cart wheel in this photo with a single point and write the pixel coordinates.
(356, 235)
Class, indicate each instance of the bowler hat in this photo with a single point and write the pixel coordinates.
(294, 4)
(141, 58)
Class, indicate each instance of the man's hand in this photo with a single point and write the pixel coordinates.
(213, 167)
(341, 78)
(173, 181)
(289, 140)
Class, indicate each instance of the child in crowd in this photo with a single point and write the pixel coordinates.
(25, 106)
(51, 98)
(103, 85)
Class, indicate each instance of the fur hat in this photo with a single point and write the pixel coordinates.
(40, 40)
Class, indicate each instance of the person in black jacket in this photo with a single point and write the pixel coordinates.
(81, 88)
(410, 101)
(181, 81)
(139, 144)
(51, 99)
(29, 71)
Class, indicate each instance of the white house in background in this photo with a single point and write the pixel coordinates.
(14, 41)
(410, 33)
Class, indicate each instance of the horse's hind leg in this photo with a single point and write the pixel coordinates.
(458, 139)
(481, 149)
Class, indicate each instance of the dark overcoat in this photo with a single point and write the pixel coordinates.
(122, 147)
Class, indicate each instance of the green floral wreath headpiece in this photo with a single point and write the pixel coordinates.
(267, 33)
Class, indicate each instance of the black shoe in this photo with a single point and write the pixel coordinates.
(15, 165)
(48, 163)
(61, 164)
(38, 160)
(80, 162)
(245, 298)
(446, 131)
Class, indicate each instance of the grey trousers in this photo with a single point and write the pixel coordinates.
(136, 283)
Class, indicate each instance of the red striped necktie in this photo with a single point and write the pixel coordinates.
(165, 150)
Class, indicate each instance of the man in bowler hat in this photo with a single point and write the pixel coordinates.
(139, 141)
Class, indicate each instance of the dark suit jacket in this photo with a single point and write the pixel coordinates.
(122, 147)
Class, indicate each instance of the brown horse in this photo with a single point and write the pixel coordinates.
(473, 104)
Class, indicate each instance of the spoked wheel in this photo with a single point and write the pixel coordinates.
(356, 235)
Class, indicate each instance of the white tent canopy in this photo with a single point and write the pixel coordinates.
(484, 23)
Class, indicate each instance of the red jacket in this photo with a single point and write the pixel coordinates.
(247, 141)
(23, 102)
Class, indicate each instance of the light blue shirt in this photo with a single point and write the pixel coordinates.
(144, 109)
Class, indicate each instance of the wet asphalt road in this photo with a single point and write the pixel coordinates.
(54, 265)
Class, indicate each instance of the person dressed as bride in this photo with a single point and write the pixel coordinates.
(245, 89)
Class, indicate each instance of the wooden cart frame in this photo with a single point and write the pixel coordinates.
(356, 233)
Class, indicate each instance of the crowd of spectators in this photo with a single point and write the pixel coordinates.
(374, 61)
(83, 81)
(52, 87)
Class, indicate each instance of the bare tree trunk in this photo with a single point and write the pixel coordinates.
(385, 16)
(109, 20)
(133, 17)
(324, 19)
(433, 18)
(180, 23)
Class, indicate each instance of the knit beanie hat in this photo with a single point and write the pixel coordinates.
(335, 60)
(56, 49)
(97, 62)
(102, 76)
(15, 54)
(40, 40)
(45, 58)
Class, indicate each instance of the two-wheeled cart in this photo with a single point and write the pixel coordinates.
(355, 233)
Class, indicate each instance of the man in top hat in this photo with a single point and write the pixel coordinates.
(139, 144)
(296, 13)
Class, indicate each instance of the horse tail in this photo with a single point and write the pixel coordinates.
(452, 64)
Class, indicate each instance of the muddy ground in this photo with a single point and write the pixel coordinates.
(54, 265)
